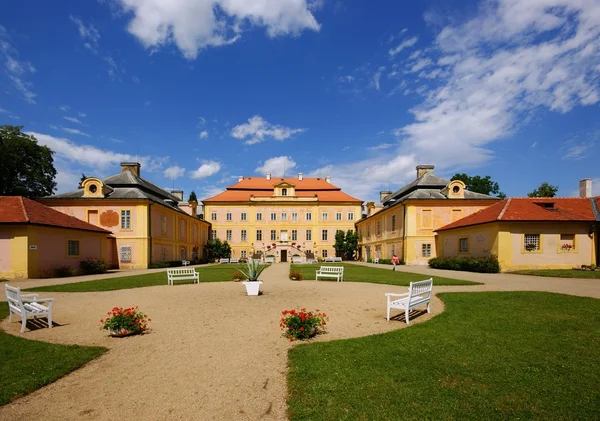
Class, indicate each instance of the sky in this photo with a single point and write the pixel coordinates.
(203, 91)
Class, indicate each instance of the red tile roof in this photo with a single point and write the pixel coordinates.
(530, 209)
(261, 183)
(20, 210)
(244, 196)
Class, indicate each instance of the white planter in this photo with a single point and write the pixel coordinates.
(252, 287)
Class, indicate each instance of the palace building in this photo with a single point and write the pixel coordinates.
(147, 221)
(405, 221)
(281, 217)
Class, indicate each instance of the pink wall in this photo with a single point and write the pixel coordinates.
(4, 250)
(52, 249)
(81, 212)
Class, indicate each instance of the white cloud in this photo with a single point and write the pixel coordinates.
(64, 108)
(193, 25)
(17, 71)
(207, 169)
(114, 70)
(346, 78)
(135, 79)
(577, 152)
(404, 44)
(3, 111)
(203, 134)
(421, 64)
(74, 131)
(88, 33)
(377, 77)
(174, 172)
(74, 120)
(381, 146)
(115, 140)
(82, 115)
(257, 129)
(277, 166)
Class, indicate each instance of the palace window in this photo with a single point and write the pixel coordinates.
(532, 242)
(125, 219)
(294, 216)
(369, 230)
(463, 245)
(258, 235)
(195, 233)
(243, 254)
(284, 192)
(273, 216)
(308, 235)
(181, 230)
(308, 216)
(378, 232)
(243, 216)
(324, 235)
(163, 224)
(426, 250)
(213, 216)
(324, 253)
(350, 216)
(273, 235)
(324, 216)
(229, 216)
(294, 235)
(214, 234)
(125, 254)
(243, 235)
(338, 216)
(259, 216)
(73, 248)
(228, 235)
(284, 216)
(393, 222)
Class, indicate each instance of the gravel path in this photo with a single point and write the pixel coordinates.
(212, 353)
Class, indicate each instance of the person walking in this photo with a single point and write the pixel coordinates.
(395, 261)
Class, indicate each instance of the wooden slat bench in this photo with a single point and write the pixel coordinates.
(27, 305)
(175, 274)
(419, 293)
(224, 260)
(234, 260)
(336, 272)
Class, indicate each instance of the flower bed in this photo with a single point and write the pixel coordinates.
(296, 276)
(302, 324)
(125, 321)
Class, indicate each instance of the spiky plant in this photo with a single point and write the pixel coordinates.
(253, 270)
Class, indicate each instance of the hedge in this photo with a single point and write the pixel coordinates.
(487, 264)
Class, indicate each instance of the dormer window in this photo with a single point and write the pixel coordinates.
(93, 188)
(455, 189)
(546, 205)
(284, 192)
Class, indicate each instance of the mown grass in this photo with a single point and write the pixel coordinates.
(27, 365)
(561, 273)
(490, 355)
(220, 273)
(385, 275)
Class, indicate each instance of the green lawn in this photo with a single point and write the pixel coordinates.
(220, 273)
(490, 355)
(384, 275)
(561, 273)
(27, 365)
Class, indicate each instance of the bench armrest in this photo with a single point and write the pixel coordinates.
(29, 297)
(43, 300)
(391, 294)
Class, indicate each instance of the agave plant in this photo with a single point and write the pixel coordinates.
(253, 269)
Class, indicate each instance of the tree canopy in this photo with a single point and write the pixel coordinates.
(26, 168)
(193, 197)
(478, 184)
(346, 244)
(218, 249)
(544, 190)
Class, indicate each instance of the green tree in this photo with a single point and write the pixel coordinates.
(351, 244)
(544, 190)
(478, 184)
(340, 243)
(193, 197)
(218, 249)
(26, 168)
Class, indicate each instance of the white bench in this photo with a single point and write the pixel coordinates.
(336, 272)
(296, 259)
(419, 293)
(224, 260)
(27, 305)
(185, 262)
(234, 260)
(176, 274)
(269, 260)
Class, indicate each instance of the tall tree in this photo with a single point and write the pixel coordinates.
(351, 244)
(340, 243)
(193, 197)
(218, 249)
(477, 184)
(26, 168)
(544, 190)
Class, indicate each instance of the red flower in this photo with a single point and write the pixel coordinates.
(301, 329)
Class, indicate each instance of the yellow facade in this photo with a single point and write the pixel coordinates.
(291, 229)
(507, 241)
(34, 251)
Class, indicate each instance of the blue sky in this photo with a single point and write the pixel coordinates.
(204, 91)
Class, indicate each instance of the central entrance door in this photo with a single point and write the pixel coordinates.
(283, 256)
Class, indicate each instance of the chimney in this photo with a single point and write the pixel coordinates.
(268, 176)
(300, 176)
(424, 169)
(178, 194)
(240, 178)
(328, 179)
(134, 167)
(194, 206)
(585, 187)
(383, 195)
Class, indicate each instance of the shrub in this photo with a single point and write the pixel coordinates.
(158, 265)
(385, 261)
(63, 272)
(238, 276)
(294, 274)
(302, 324)
(123, 321)
(91, 266)
(487, 264)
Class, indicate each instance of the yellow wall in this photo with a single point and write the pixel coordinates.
(287, 205)
(413, 230)
(506, 240)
